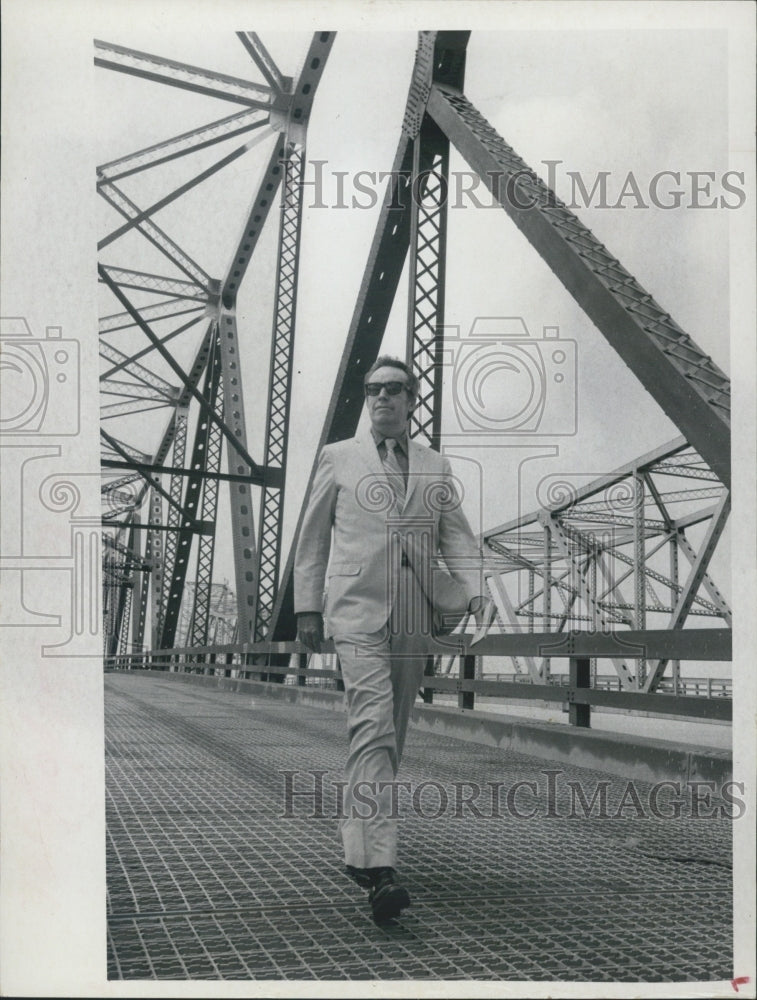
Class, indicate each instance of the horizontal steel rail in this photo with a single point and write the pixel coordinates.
(247, 659)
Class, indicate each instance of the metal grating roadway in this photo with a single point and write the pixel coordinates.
(207, 879)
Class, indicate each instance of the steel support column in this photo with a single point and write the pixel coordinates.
(640, 571)
(198, 632)
(242, 521)
(189, 525)
(441, 56)
(428, 250)
(176, 484)
(279, 386)
(139, 605)
(673, 549)
(155, 546)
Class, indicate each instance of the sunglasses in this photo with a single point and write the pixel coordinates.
(392, 388)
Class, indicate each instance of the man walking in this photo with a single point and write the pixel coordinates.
(384, 508)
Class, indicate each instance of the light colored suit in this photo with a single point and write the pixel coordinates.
(380, 607)
(351, 495)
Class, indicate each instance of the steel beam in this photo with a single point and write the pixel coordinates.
(188, 521)
(708, 583)
(126, 363)
(426, 282)
(693, 581)
(144, 215)
(126, 207)
(272, 476)
(242, 518)
(375, 297)
(178, 74)
(198, 634)
(185, 380)
(159, 284)
(135, 406)
(263, 60)
(176, 482)
(279, 386)
(151, 314)
(180, 145)
(687, 384)
(155, 547)
(440, 56)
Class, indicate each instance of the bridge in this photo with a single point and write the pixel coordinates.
(605, 584)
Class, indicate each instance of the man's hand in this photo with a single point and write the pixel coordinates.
(310, 630)
(483, 610)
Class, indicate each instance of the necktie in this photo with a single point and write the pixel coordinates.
(393, 471)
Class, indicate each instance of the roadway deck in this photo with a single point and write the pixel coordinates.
(207, 879)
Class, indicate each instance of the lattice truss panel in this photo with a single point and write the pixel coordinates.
(618, 552)
(171, 389)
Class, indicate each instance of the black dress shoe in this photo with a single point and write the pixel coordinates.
(362, 876)
(387, 897)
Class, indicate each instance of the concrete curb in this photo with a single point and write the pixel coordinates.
(642, 759)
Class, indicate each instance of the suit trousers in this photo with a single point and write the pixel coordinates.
(382, 673)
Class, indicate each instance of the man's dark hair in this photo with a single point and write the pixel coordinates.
(386, 361)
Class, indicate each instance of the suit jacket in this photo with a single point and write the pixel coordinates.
(354, 532)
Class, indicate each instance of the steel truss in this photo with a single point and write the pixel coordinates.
(606, 557)
(183, 508)
(622, 529)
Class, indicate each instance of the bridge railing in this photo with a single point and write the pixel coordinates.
(697, 698)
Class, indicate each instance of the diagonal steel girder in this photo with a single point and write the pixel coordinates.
(264, 61)
(257, 584)
(126, 207)
(440, 56)
(143, 215)
(127, 363)
(152, 313)
(378, 287)
(175, 484)
(208, 512)
(184, 378)
(179, 145)
(684, 381)
(178, 74)
(186, 526)
(158, 283)
(279, 386)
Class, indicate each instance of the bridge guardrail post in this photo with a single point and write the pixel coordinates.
(579, 677)
(302, 664)
(466, 699)
(427, 693)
